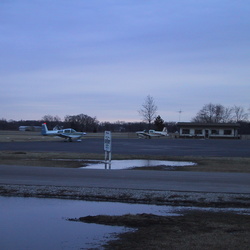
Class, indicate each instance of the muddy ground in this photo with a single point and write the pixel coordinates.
(199, 230)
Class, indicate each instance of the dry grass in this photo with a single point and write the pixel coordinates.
(75, 160)
(23, 136)
(220, 164)
(20, 136)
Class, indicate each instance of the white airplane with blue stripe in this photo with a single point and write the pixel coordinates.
(68, 134)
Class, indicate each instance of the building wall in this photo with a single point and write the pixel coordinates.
(207, 132)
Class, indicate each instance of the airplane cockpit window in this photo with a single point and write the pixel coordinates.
(67, 131)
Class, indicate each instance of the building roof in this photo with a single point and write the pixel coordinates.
(197, 124)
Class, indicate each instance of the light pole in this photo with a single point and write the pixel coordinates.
(180, 111)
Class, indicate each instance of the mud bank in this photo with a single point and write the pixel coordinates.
(197, 230)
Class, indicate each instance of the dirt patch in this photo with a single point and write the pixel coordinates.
(196, 230)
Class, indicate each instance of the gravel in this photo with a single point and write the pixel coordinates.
(129, 195)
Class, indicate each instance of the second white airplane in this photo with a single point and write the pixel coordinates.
(69, 134)
(152, 133)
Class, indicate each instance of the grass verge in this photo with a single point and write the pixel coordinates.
(76, 160)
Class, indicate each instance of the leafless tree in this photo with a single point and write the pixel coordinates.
(148, 110)
(213, 113)
(51, 118)
(227, 115)
(82, 122)
(239, 114)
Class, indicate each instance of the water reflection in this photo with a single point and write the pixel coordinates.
(33, 223)
(127, 164)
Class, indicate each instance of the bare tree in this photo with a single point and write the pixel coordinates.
(82, 122)
(239, 114)
(227, 115)
(51, 118)
(148, 110)
(213, 113)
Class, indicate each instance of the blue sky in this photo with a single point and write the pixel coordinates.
(103, 57)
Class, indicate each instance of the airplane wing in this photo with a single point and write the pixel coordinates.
(144, 135)
(71, 136)
(150, 134)
(157, 134)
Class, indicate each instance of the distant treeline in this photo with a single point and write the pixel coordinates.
(92, 125)
(86, 125)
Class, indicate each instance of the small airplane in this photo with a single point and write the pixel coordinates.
(152, 133)
(68, 134)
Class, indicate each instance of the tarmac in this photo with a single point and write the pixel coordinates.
(166, 147)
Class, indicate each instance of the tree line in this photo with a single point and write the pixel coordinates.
(209, 113)
(86, 123)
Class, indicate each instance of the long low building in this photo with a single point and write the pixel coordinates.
(208, 130)
(30, 128)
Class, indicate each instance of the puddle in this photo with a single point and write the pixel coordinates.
(36, 223)
(129, 164)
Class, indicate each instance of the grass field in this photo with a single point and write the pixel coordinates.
(22, 136)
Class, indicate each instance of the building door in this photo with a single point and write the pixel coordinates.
(206, 133)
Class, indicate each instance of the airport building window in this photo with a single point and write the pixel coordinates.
(198, 132)
(227, 132)
(215, 132)
(185, 131)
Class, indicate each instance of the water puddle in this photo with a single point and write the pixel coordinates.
(36, 223)
(129, 164)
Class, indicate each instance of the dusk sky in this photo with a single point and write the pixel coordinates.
(104, 57)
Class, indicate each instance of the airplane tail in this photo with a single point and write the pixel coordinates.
(44, 129)
(164, 129)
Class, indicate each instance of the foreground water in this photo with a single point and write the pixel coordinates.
(35, 223)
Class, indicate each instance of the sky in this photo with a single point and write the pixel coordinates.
(103, 58)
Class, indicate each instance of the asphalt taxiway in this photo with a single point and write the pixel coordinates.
(166, 147)
(127, 179)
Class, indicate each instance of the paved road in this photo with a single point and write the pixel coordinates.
(129, 179)
(167, 147)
